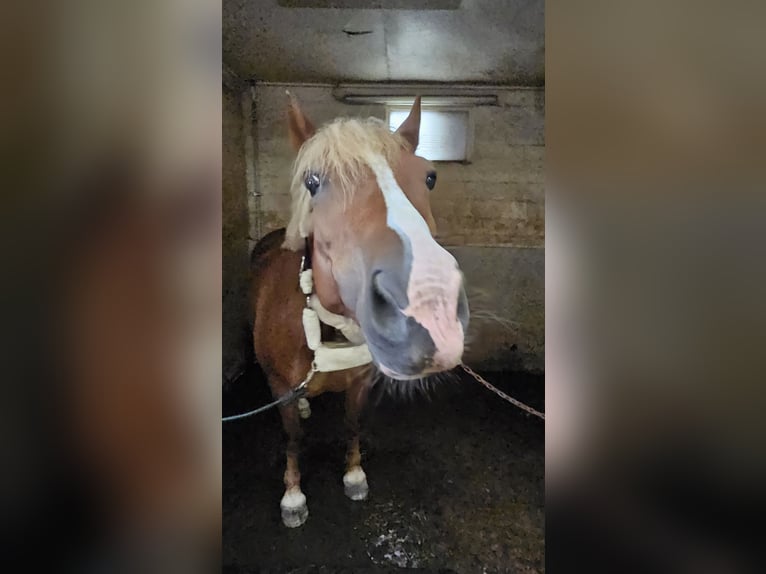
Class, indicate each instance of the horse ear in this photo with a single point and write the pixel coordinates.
(410, 128)
(299, 126)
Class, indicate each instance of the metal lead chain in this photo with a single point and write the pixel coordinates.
(501, 394)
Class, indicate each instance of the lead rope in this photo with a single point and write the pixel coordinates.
(501, 394)
(300, 391)
(296, 393)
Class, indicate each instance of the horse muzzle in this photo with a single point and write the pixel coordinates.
(414, 336)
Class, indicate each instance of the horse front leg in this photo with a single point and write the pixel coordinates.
(293, 505)
(355, 480)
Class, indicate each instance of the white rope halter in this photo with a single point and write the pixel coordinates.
(329, 357)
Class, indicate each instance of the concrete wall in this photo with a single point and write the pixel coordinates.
(235, 234)
(506, 293)
(489, 211)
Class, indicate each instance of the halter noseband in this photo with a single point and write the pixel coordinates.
(329, 356)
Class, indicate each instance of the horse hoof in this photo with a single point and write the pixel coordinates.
(304, 408)
(355, 484)
(294, 509)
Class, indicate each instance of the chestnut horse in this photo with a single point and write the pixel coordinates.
(361, 207)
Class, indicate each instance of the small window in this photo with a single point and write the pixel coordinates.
(444, 134)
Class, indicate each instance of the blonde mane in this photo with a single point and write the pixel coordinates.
(340, 150)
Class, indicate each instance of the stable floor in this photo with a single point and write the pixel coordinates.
(456, 484)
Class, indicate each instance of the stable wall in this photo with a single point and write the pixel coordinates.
(235, 234)
(489, 211)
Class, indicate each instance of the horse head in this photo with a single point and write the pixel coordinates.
(362, 198)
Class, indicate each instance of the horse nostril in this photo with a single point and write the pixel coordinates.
(377, 288)
(381, 296)
(384, 310)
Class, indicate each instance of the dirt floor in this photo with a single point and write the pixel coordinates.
(456, 484)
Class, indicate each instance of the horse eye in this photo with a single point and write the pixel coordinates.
(431, 179)
(312, 183)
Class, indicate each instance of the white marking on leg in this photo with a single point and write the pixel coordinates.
(355, 484)
(295, 511)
